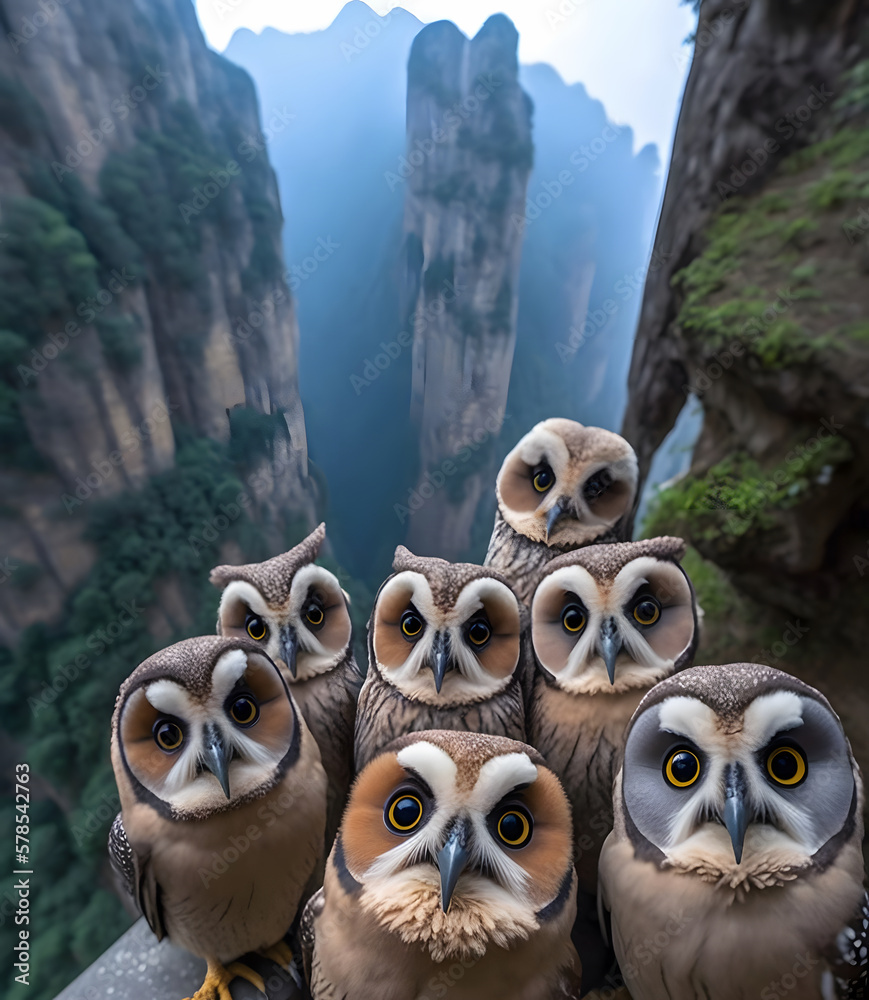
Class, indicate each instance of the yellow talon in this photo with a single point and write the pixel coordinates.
(218, 978)
(280, 953)
(246, 972)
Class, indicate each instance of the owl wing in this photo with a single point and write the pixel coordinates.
(849, 956)
(307, 933)
(136, 877)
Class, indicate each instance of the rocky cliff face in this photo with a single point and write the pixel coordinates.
(759, 310)
(469, 154)
(142, 276)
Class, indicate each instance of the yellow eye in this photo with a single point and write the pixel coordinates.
(314, 615)
(573, 618)
(411, 624)
(168, 735)
(479, 632)
(256, 627)
(786, 766)
(647, 611)
(403, 813)
(682, 768)
(543, 478)
(514, 828)
(244, 710)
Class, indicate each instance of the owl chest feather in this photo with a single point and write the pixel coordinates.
(233, 882)
(679, 937)
(582, 737)
(517, 558)
(385, 714)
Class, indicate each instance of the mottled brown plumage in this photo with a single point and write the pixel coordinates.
(748, 872)
(445, 903)
(480, 686)
(586, 496)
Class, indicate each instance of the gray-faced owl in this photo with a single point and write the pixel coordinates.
(563, 486)
(208, 746)
(446, 650)
(737, 843)
(452, 874)
(297, 612)
(607, 623)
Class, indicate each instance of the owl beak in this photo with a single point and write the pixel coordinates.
(556, 511)
(440, 658)
(453, 858)
(289, 639)
(735, 812)
(216, 756)
(610, 645)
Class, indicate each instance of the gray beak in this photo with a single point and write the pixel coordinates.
(216, 756)
(557, 511)
(452, 859)
(289, 640)
(610, 646)
(440, 658)
(735, 812)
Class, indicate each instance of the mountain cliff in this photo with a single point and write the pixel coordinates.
(758, 312)
(143, 285)
(468, 156)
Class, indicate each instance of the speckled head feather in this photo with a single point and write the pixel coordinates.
(604, 562)
(274, 577)
(190, 661)
(728, 689)
(446, 579)
(583, 442)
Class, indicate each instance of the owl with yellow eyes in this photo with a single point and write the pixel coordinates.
(446, 650)
(298, 614)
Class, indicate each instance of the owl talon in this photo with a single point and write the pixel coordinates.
(218, 977)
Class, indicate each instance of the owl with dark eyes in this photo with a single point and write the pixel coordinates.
(298, 614)
(446, 651)
(562, 487)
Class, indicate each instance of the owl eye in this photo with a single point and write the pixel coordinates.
(314, 615)
(647, 610)
(411, 624)
(682, 768)
(786, 766)
(573, 618)
(403, 812)
(543, 478)
(244, 710)
(256, 627)
(514, 827)
(597, 484)
(168, 735)
(479, 632)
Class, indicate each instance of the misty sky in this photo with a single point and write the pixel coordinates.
(628, 53)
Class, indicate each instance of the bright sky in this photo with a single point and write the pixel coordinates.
(628, 53)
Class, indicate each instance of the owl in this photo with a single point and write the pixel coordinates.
(607, 623)
(297, 612)
(734, 868)
(562, 487)
(452, 873)
(223, 803)
(445, 650)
